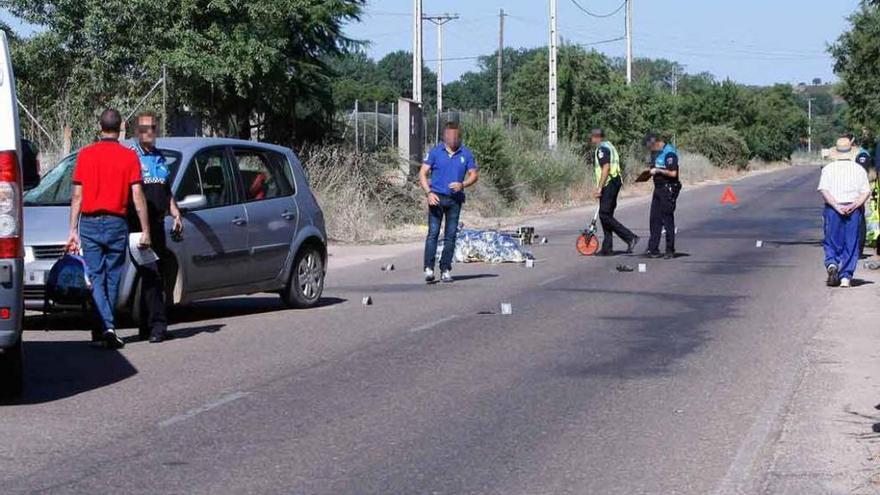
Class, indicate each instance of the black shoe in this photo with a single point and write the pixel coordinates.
(653, 254)
(833, 276)
(670, 255)
(604, 253)
(631, 245)
(162, 337)
(112, 341)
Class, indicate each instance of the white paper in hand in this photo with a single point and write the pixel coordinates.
(140, 256)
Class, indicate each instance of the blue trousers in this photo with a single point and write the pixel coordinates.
(105, 244)
(447, 212)
(842, 235)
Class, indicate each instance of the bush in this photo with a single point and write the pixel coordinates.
(489, 145)
(357, 193)
(518, 165)
(722, 145)
(544, 173)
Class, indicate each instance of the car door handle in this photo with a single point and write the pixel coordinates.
(239, 221)
(288, 215)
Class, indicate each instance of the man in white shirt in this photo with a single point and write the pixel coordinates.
(845, 188)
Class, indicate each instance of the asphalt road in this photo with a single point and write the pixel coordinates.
(670, 381)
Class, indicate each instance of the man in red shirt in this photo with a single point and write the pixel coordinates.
(106, 177)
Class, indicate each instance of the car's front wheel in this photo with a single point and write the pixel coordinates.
(306, 282)
(12, 372)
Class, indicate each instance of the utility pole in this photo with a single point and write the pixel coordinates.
(552, 129)
(440, 21)
(629, 41)
(674, 80)
(417, 51)
(810, 125)
(500, 61)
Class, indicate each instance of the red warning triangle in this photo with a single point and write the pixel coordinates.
(729, 198)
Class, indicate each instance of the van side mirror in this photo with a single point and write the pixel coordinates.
(30, 165)
(193, 202)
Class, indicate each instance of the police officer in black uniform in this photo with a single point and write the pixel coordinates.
(160, 202)
(667, 186)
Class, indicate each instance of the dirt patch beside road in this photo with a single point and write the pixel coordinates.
(830, 440)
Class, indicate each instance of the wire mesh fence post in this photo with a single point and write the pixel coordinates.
(357, 128)
(376, 124)
(392, 125)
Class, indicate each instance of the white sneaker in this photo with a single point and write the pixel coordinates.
(446, 277)
(429, 274)
(844, 282)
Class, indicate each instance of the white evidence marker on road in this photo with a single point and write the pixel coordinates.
(506, 309)
(643, 268)
(759, 244)
(202, 409)
(367, 301)
(530, 263)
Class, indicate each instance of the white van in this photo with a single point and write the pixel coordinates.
(11, 243)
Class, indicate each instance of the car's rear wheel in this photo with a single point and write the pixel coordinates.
(306, 282)
(12, 372)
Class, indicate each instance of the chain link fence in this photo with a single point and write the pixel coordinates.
(373, 126)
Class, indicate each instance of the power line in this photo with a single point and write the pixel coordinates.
(599, 16)
(602, 42)
(453, 59)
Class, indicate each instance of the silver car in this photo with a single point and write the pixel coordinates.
(251, 224)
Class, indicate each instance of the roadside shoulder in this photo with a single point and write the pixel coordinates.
(828, 443)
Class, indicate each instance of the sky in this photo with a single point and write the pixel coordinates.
(750, 41)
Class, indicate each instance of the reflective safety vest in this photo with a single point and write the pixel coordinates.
(614, 169)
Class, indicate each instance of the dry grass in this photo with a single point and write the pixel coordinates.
(356, 191)
(363, 203)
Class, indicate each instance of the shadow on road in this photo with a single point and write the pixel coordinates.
(652, 345)
(237, 306)
(57, 370)
(199, 311)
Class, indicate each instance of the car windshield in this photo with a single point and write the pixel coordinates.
(54, 188)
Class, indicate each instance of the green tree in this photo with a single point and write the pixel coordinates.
(396, 69)
(230, 61)
(857, 63)
(356, 77)
(477, 90)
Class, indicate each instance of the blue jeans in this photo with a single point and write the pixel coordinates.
(105, 244)
(842, 236)
(446, 212)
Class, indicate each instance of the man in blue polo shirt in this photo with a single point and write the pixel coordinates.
(451, 168)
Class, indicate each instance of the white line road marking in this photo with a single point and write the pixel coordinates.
(433, 324)
(226, 399)
(554, 279)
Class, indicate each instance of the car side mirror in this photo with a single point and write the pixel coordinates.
(193, 202)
